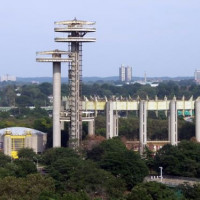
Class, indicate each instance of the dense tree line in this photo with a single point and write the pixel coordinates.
(37, 95)
(107, 171)
(180, 160)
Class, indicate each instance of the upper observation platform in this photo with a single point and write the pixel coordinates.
(76, 30)
(56, 56)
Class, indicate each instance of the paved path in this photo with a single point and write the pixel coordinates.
(173, 181)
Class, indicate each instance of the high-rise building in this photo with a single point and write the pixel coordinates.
(125, 74)
(128, 74)
(8, 78)
(197, 76)
(122, 73)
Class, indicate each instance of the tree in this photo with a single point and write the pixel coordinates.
(43, 124)
(181, 160)
(52, 155)
(26, 153)
(75, 174)
(4, 159)
(28, 188)
(112, 156)
(24, 167)
(191, 192)
(151, 191)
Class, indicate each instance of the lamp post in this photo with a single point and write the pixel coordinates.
(161, 176)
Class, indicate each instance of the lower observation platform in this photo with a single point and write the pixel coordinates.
(55, 59)
(75, 39)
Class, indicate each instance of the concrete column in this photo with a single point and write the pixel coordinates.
(169, 131)
(142, 125)
(115, 125)
(7, 145)
(197, 120)
(173, 127)
(109, 119)
(91, 128)
(56, 104)
(62, 125)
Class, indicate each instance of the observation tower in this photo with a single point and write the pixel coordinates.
(56, 59)
(75, 35)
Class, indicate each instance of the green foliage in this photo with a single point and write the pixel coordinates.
(7, 171)
(28, 188)
(27, 153)
(75, 174)
(24, 167)
(152, 191)
(148, 155)
(181, 160)
(186, 131)
(111, 145)
(4, 159)
(75, 196)
(190, 192)
(112, 155)
(43, 124)
(52, 155)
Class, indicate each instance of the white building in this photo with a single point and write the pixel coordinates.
(12, 139)
(122, 73)
(125, 74)
(8, 78)
(128, 74)
(197, 76)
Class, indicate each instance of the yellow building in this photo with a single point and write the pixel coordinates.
(12, 139)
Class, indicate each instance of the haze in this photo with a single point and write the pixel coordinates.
(161, 37)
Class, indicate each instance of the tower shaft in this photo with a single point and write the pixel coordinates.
(76, 31)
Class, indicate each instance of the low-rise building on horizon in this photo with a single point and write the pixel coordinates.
(8, 78)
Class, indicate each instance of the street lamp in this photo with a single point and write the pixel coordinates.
(161, 176)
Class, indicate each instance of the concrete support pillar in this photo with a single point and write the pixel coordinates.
(115, 125)
(7, 145)
(197, 120)
(62, 125)
(169, 131)
(109, 119)
(173, 123)
(142, 125)
(91, 128)
(56, 104)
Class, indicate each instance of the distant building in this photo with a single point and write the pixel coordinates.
(122, 73)
(128, 74)
(125, 74)
(8, 78)
(197, 76)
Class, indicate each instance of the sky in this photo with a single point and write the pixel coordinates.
(159, 37)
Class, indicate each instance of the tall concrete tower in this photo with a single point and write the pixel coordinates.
(56, 60)
(75, 30)
(122, 73)
(128, 74)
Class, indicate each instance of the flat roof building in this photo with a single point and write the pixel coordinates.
(122, 73)
(125, 74)
(8, 78)
(128, 74)
(197, 76)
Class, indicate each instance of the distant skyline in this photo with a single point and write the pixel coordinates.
(161, 38)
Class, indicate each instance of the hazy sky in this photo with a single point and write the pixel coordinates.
(161, 37)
